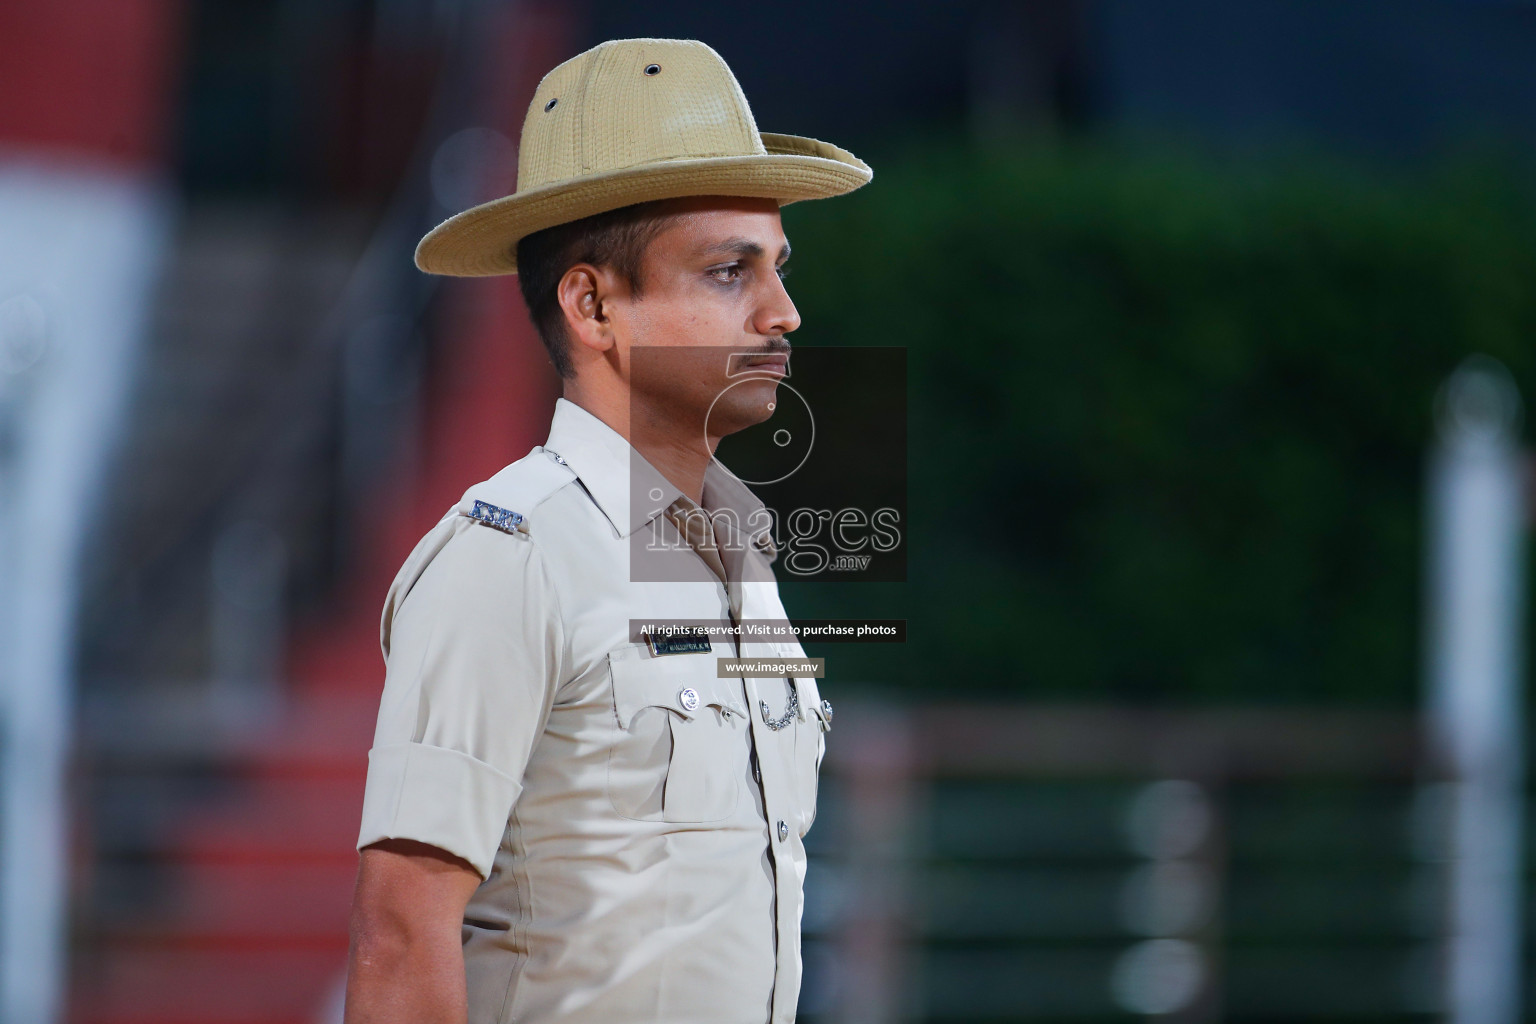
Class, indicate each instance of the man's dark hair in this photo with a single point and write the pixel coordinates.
(616, 239)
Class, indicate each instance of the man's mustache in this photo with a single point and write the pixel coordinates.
(774, 347)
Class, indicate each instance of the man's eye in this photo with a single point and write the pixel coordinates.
(734, 269)
(783, 273)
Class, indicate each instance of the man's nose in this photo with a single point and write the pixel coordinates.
(777, 314)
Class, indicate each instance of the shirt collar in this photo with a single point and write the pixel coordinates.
(607, 464)
(613, 472)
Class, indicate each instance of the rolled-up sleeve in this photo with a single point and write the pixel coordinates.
(472, 665)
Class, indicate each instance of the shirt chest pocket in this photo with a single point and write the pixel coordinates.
(680, 749)
(799, 728)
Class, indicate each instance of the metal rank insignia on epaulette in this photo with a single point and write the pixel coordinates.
(501, 518)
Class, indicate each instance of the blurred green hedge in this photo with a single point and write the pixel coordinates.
(1168, 415)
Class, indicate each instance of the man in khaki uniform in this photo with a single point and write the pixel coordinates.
(569, 817)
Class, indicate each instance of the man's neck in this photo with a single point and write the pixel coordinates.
(677, 450)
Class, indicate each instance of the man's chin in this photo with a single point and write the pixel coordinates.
(745, 405)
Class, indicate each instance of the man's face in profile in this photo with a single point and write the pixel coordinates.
(706, 336)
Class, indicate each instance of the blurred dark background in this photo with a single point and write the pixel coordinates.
(1178, 284)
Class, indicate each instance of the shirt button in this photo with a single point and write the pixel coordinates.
(688, 698)
(783, 831)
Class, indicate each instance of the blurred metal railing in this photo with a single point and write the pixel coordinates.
(976, 863)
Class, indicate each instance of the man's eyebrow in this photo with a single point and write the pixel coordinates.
(741, 247)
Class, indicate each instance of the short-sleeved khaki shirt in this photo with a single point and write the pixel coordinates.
(637, 820)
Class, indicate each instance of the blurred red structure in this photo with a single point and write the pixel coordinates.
(89, 76)
(255, 931)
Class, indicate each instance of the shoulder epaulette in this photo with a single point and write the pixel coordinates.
(505, 501)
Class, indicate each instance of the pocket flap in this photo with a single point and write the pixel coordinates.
(683, 684)
(810, 698)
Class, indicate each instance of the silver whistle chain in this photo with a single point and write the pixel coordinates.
(790, 711)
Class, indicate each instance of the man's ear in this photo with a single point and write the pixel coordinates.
(586, 296)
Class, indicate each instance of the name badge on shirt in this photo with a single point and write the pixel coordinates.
(683, 641)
